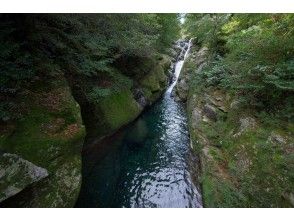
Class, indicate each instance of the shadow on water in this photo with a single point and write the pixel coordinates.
(147, 164)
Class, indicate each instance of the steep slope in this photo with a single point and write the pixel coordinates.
(246, 158)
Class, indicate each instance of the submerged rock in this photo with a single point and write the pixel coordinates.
(16, 174)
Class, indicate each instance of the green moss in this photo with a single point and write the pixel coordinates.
(151, 82)
(165, 62)
(60, 189)
(154, 83)
(32, 142)
(107, 100)
(147, 94)
(119, 108)
(49, 135)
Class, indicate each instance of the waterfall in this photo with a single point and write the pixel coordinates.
(147, 164)
(179, 65)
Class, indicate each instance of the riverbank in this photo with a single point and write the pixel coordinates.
(57, 118)
(245, 156)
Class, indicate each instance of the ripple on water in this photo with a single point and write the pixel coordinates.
(146, 165)
(154, 173)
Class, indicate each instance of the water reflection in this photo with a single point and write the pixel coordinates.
(148, 164)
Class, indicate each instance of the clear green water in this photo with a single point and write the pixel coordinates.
(147, 164)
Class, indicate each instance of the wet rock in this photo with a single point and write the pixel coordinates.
(16, 174)
(181, 56)
(178, 50)
(173, 52)
(182, 88)
(140, 98)
(182, 43)
(210, 112)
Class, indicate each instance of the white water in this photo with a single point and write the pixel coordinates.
(179, 66)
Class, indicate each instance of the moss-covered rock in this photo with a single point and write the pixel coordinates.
(156, 81)
(110, 113)
(111, 100)
(244, 163)
(16, 174)
(50, 134)
(119, 109)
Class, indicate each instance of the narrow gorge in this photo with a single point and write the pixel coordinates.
(149, 163)
(146, 110)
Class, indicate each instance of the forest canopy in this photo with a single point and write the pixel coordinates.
(43, 45)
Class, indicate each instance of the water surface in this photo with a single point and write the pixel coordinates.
(147, 164)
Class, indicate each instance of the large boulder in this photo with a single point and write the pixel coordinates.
(16, 174)
(50, 134)
(111, 101)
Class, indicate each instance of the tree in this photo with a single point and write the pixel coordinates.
(44, 45)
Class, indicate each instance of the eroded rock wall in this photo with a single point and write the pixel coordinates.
(49, 135)
(114, 100)
(246, 160)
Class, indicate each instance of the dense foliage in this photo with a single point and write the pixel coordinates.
(38, 46)
(249, 69)
(252, 55)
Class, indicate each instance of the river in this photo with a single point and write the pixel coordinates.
(147, 164)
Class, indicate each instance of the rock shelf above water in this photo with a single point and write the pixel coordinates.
(16, 174)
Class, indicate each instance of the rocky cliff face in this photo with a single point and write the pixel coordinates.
(48, 138)
(245, 160)
(40, 161)
(194, 63)
(111, 101)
